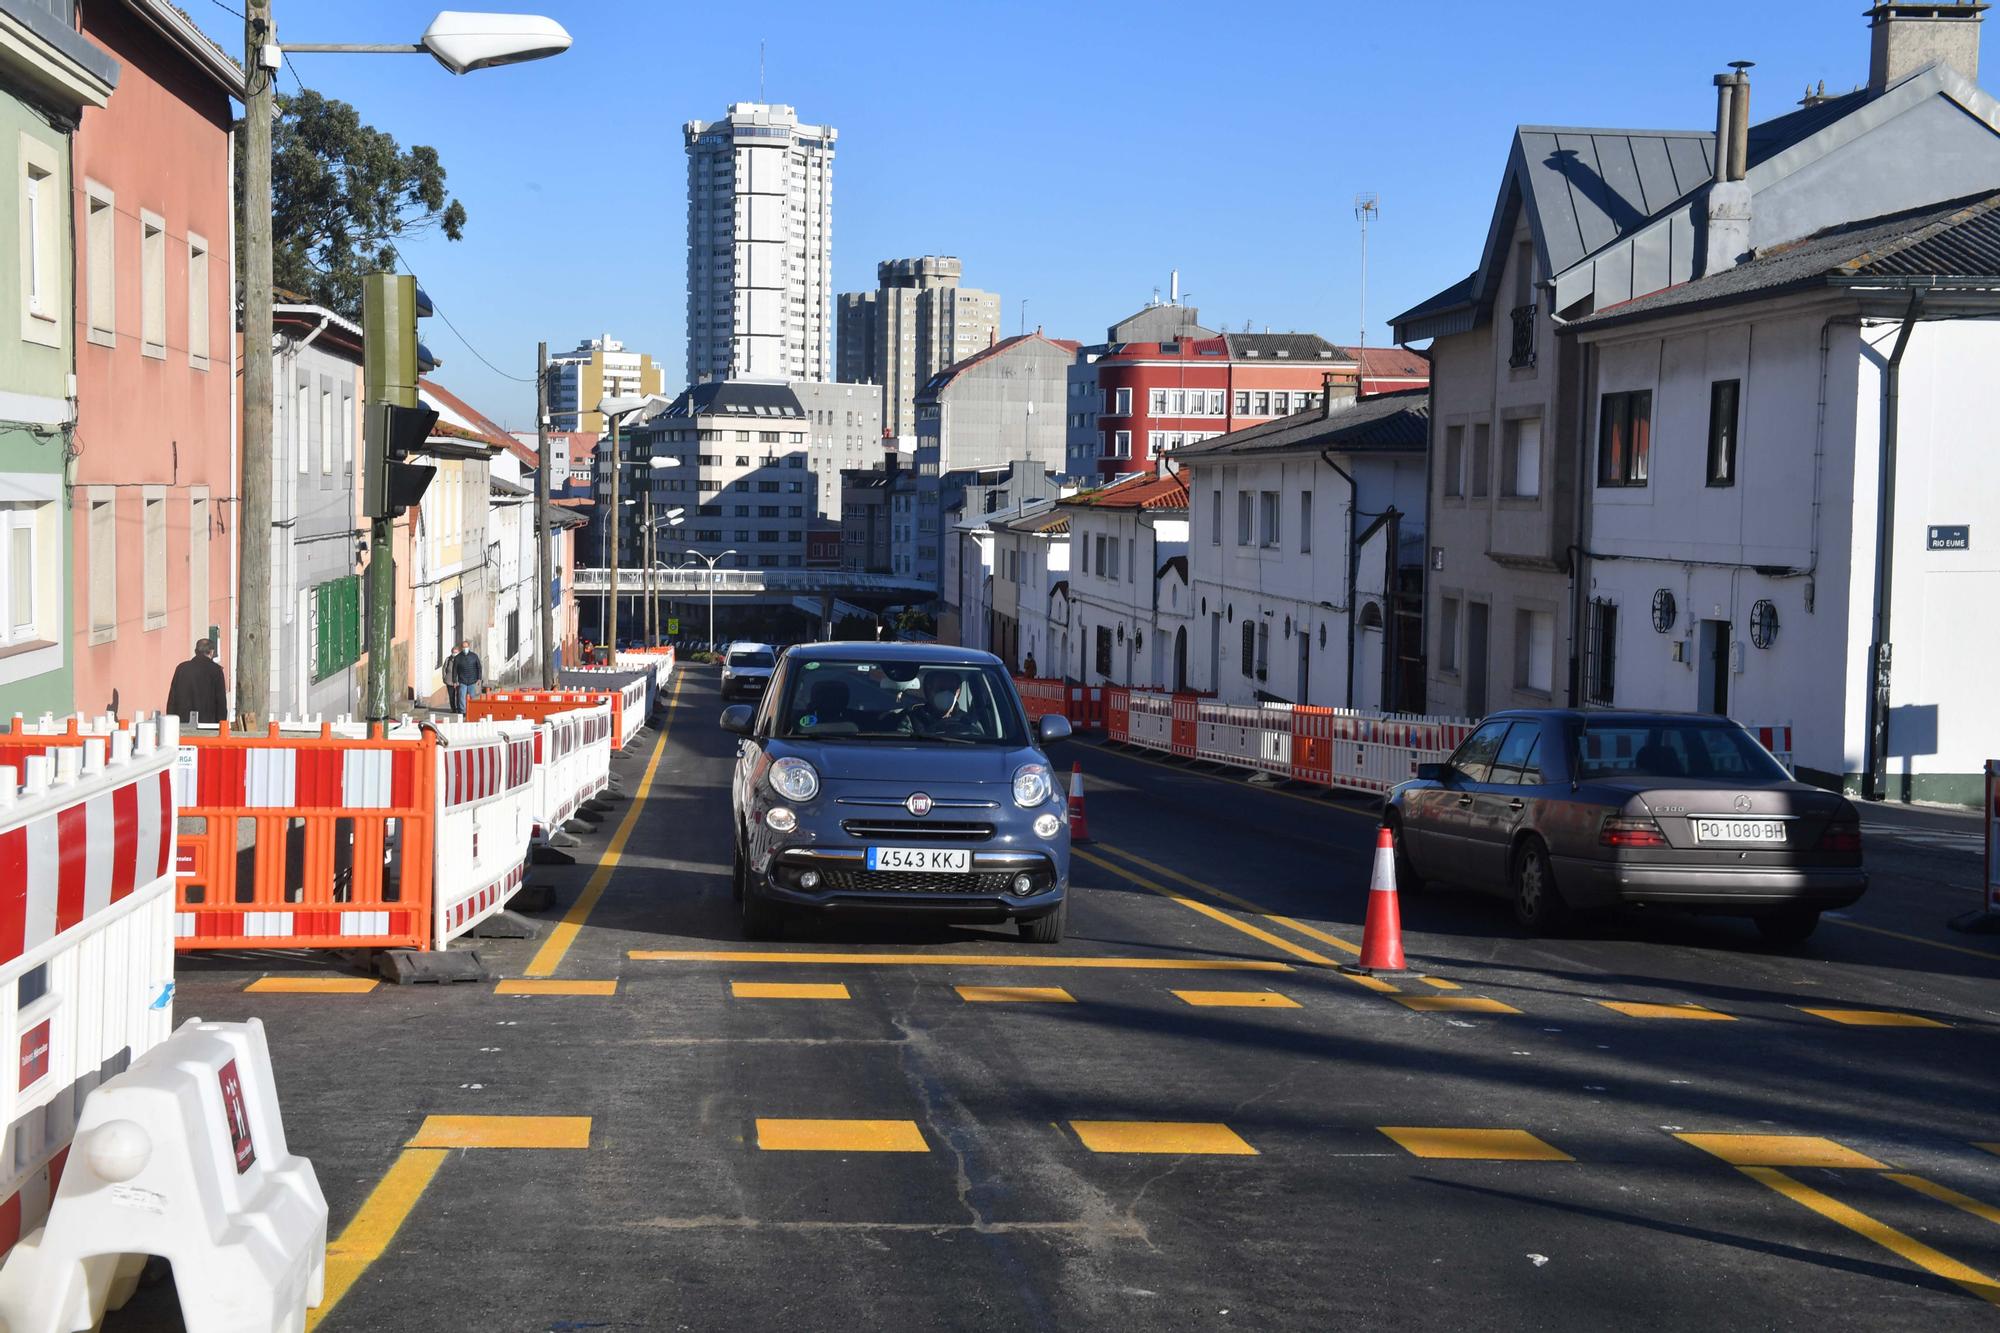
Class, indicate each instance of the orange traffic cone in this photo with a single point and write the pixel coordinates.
(1382, 936)
(1079, 827)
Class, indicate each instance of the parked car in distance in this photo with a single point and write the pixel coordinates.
(1561, 809)
(746, 668)
(902, 778)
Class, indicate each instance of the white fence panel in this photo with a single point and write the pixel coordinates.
(485, 786)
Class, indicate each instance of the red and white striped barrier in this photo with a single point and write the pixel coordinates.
(87, 837)
(572, 765)
(1778, 740)
(485, 822)
(1325, 747)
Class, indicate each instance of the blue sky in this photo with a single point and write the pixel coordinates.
(1071, 154)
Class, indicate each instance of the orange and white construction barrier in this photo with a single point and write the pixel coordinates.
(572, 766)
(86, 941)
(1079, 826)
(1382, 934)
(184, 1156)
(485, 773)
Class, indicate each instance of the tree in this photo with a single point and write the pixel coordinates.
(343, 193)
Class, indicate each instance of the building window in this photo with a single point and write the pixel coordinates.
(1104, 652)
(1157, 401)
(1482, 460)
(41, 204)
(1267, 525)
(1521, 457)
(18, 619)
(1242, 402)
(1281, 403)
(197, 301)
(198, 538)
(100, 263)
(1454, 460)
(1448, 634)
(1123, 403)
(346, 427)
(1249, 659)
(1601, 644)
(155, 539)
(326, 432)
(1263, 401)
(1624, 438)
(1215, 517)
(152, 284)
(1131, 562)
(1724, 397)
(1102, 568)
(1121, 444)
(103, 568)
(1305, 522)
(1215, 402)
(1535, 650)
(1243, 503)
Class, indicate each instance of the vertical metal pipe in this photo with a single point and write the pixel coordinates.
(1875, 779)
(545, 616)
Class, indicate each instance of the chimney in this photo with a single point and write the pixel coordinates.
(1728, 193)
(1903, 38)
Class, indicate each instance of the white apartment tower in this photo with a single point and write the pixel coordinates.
(760, 246)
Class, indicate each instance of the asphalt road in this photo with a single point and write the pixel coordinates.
(1186, 1116)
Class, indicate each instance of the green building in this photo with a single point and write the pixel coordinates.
(48, 73)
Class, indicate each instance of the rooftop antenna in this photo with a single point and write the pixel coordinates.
(1367, 207)
(760, 69)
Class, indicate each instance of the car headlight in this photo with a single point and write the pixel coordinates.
(780, 819)
(794, 779)
(1047, 826)
(1032, 785)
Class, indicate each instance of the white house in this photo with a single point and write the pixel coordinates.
(1121, 536)
(1030, 561)
(1279, 512)
(1734, 537)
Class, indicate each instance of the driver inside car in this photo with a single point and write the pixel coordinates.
(939, 712)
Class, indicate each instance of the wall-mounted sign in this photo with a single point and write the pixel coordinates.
(1952, 537)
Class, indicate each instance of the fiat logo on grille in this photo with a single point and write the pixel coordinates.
(918, 804)
(1743, 805)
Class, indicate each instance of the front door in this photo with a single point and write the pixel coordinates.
(1305, 666)
(1180, 658)
(1214, 652)
(1712, 662)
(1475, 658)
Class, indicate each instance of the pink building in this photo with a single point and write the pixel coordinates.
(154, 471)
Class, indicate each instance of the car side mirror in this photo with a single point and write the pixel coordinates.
(737, 719)
(1430, 772)
(1053, 727)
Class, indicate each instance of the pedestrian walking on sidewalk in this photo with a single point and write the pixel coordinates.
(199, 693)
(462, 673)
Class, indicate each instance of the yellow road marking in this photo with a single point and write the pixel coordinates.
(1943, 1194)
(547, 986)
(1912, 939)
(1890, 1239)
(1185, 1137)
(1440, 983)
(1474, 1145)
(1454, 1004)
(1758, 1150)
(503, 1131)
(1875, 1018)
(1269, 791)
(957, 960)
(549, 957)
(312, 986)
(840, 1136)
(785, 990)
(367, 1236)
(1237, 999)
(1167, 872)
(1015, 994)
(1635, 1009)
(1993, 1148)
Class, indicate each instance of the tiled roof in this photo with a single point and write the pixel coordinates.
(1386, 421)
(956, 368)
(1281, 347)
(1955, 240)
(1390, 363)
(468, 423)
(1052, 522)
(1143, 492)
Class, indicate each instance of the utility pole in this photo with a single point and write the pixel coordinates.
(612, 524)
(253, 521)
(1367, 207)
(545, 617)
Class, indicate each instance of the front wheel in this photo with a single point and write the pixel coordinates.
(1407, 878)
(1046, 929)
(1789, 928)
(1538, 904)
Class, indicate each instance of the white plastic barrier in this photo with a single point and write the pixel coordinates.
(1151, 719)
(632, 693)
(1777, 738)
(485, 803)
(184, 1156)
(86, 941)
(572, 765)
(661, 664)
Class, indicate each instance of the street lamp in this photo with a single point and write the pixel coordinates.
(461, 42)
(651, 526)
(712, 561)
(616, 408)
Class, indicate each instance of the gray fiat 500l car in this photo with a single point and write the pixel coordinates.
(897, 778)
(1558, 808)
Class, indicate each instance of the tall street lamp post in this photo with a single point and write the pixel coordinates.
(461, 42)
(712, 561)
(616, 409)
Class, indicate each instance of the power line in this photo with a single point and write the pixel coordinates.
(225, 8)
(439, 312)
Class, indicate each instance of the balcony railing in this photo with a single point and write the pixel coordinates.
(1523, 353)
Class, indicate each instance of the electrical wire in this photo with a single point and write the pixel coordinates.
(438, 310)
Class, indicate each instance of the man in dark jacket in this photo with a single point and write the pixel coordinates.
(199, 693)
(462, 673)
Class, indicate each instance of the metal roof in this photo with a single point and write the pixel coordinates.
(1395, 422)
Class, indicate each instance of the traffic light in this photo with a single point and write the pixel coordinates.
(390, 483)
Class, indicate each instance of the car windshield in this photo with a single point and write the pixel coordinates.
(757, 659)
(945, 703)
(1671, 749)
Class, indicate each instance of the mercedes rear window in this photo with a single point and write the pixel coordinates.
(1668, 750)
